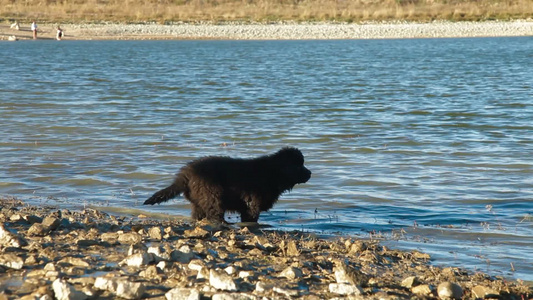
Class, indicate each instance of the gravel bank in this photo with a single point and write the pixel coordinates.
(285, 31)
(47, 253)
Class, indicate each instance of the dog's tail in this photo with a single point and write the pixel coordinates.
(174, 190)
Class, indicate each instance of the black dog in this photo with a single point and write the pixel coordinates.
(217, 184)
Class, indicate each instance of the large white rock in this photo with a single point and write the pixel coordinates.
(184, 255)
(9, 239)
(233, 296)
(182, 294)
(221, 281)
(130, 290)
(108, 284)
(12, 261)
(65, 291)
(449, 290)
(120, 287)
(138, 259)
(291, 273)
(345, 289)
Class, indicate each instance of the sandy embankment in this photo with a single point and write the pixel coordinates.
(276, 31)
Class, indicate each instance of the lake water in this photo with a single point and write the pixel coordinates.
(426, 143)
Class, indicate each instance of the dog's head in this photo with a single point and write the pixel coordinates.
(291, 163)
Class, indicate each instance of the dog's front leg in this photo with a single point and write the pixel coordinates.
(252, 211)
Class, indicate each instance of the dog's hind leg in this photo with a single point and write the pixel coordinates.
(197, 212)
(210, 212)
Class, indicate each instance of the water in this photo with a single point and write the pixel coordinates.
(426, 143)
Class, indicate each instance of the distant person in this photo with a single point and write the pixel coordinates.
(34, 30)
(59, 34)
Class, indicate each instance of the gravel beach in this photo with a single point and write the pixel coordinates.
(51, 253)
(275, 31)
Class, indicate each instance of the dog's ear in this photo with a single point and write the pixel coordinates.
(291, 155)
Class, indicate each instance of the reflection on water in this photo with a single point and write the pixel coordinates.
(426, 143)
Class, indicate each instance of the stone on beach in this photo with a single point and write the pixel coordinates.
(182, 294)
(449, 290)
(345, 289)
(423, 289)
(184, 255)
(482, 292)
(120, 287)
(11, 261)
(197, 232)
(221, 280)
(8, 239)
(410, 282)
(65, 291)
(138, 259)
(155, 233)
(291, 273)
(130, 238)
(347, 274)
(233, 296)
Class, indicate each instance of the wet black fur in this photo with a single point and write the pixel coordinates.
(217, 184)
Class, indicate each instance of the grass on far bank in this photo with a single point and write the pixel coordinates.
(164, 11)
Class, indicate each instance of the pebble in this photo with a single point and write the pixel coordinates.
(183, 294)
(286, 291)
(130, 290)
(130, 238)
(245, 274)
(292, 249)
(347, 274)
(196, 264)
(52, 223)
(65, 291)
(155, 233)
(110, 237)
(152, 272)
(230, 270)
(75, 261)
(33, 219)
(483, 292)
(11, 261)
(356, 247)
(262, 287)
(233, 296)
(449, 290)
(184, 255)
(38, 229)
(8, 239)
(410, 281)
(291, 273)
(345, 289)
(197, 232)
(159, 253)
(221, 281)
(138, 259)
(423, 289)
(120, 287)
(203, 273)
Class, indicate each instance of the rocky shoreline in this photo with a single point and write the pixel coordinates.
(275, 31)
(51, 253)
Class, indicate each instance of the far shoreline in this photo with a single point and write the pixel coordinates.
(272, 31)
